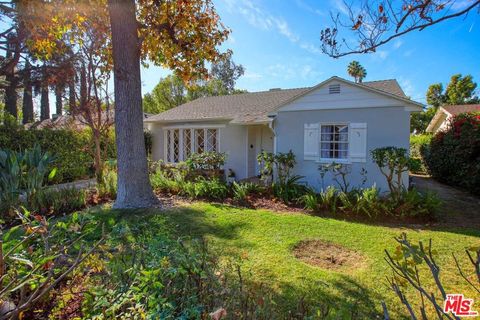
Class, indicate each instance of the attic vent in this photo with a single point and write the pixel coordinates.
(334, 88)
(275, 89)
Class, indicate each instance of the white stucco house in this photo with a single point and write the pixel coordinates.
(336, 120)
(443, 116)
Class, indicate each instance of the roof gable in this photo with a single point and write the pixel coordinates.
(257, 106)
(351, 95)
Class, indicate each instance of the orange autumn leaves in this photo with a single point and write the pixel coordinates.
(178, 34)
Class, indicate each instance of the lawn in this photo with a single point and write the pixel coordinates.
(264, 240)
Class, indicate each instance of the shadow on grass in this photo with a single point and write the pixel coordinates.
(344, 297)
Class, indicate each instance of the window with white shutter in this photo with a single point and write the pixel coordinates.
(310, 141)
(358, 142)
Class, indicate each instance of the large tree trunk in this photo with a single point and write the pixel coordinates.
(134, 189)
(27, 104)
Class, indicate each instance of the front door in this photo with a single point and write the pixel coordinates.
(260, 138)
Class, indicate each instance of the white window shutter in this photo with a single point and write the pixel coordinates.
(310, 141)
(358, 142)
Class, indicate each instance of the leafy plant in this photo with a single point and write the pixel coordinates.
(310, 200)
(23, 172)
(206, 161)
(36, 257)
(393, 162)
(56, 202)
(289, 190)
(279, 163)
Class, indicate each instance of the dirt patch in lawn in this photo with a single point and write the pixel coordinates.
(327, 255)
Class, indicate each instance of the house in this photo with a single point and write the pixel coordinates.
(443, 116)
(335, 121)
(77, 123)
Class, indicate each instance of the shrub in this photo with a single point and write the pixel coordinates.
(453, 156)
(412, 203)
(281, 163)
(206, 161)
(418, 148)
(241, 191)
(214, 189)
(329, 199)
(72, 149)
(56, 202)
(289, 190)
(23, 173)
(393, 162)
(310, 201)
(108, 186)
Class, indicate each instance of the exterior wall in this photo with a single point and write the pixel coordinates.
(387, 126)
(232, 142)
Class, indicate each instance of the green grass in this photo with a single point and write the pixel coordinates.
(263, 240)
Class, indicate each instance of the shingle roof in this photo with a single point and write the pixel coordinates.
(457, 109)
(252, 107)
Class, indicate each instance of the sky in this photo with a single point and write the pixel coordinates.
(277, 41)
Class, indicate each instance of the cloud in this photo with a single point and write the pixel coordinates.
(252, 75)
(305, 6)
(382, 54)
(397, 44)
(408, 53)
(340, 6)
(263, 20)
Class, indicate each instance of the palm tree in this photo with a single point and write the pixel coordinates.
(357, 71)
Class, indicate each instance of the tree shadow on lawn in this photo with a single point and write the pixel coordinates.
(343, 298)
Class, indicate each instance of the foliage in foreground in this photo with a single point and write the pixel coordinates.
(36, 257)
(453, 156)
(406, 263)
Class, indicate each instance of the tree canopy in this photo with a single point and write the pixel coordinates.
(357, 71)
(365, 25)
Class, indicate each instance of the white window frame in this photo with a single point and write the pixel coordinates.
(168, 133)
(336, 160)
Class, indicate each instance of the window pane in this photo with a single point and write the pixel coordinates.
(176, 145)
(169, 144)
(334, 142)
(199, 141)
(211, 139)
(187, 143)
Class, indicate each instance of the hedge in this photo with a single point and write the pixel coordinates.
(418, 145)
(453, 156)
(74, 159)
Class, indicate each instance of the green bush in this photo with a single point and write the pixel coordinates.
(23, 173)
(418, 146)
(453, 156)
(206, 161)
(202, 188)
(108, 186)
(71, 149)
(241, 191)
(58, 202)
(370, 204)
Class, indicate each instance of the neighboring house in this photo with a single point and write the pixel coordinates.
(444, 115)
(335, 121)
(78, 123)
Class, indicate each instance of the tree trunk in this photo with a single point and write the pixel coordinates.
(134, 189)
(11, 89)
(71, 94)
(98, 156)
(44, 103)
(27, 104)
(59, 99)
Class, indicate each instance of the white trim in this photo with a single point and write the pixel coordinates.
(168, 132)
(190, 126)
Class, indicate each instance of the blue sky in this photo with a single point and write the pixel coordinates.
(278, 44)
